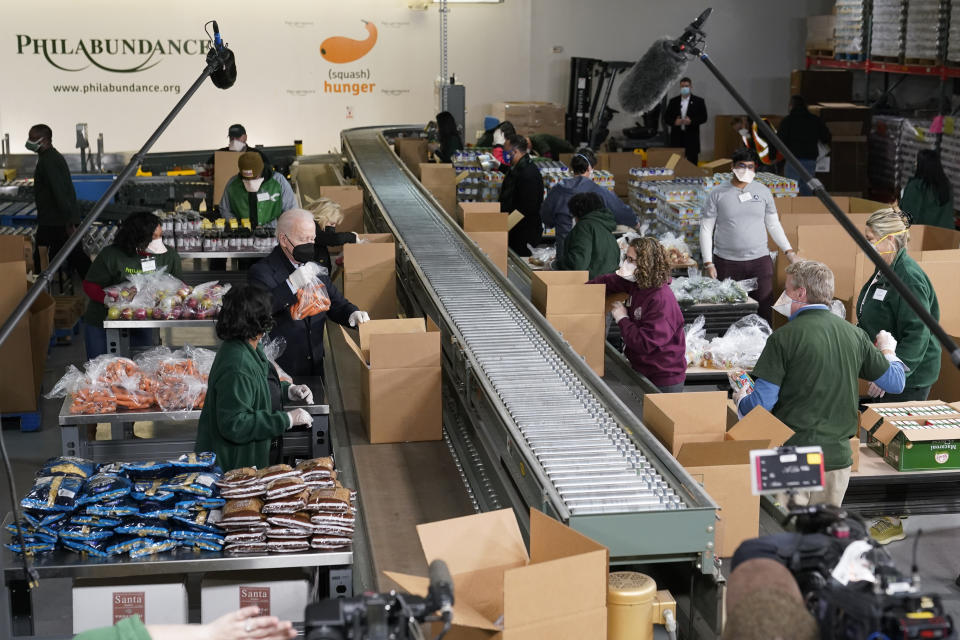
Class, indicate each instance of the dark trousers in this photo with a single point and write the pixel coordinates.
(53, 237)
(909, 394)
(761, 269)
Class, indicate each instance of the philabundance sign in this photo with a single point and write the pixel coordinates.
(109, 54)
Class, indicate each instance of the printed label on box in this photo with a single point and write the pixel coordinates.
(259, 596)
(128, 603)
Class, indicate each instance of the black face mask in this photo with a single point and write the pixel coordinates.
(304, 252)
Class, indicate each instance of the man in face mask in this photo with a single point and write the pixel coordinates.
(285, 272)
(684, 115)
(257, 193)
(808, 372)
(56, 200)
(735, 220)
(237, 141)
(522, 191)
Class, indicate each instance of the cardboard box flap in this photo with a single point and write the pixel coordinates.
(706, 454)
(390, 327)
(463, 614)
(699, 412)
(760, 424)
(378, 252)
(475, 542)
(486, 221)
(353, 346)
(404, 351)
(11, 248)
(559, 587)
(550, 539)
(926, 435)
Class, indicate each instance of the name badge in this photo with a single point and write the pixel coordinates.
(147, 265)
(880, 294)
(263, 197)
(746, 197)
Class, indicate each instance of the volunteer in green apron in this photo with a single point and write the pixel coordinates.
(256, 193)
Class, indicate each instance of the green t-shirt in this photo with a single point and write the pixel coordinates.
(880, 307)
(816, 360)
(127, 629)
(114, 265)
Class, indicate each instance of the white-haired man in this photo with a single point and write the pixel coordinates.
(288, 269)
(807, 373)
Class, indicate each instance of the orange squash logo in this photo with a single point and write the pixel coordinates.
(341, 50)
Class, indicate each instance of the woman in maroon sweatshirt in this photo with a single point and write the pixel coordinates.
(651, 322)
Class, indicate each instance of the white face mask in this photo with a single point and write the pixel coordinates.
(252, 185)
(784, 305)
(156, 246)
(627, 270)
(237, 145)
(745, 175)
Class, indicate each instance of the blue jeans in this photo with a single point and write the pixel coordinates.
(95, 339)
(790, 172)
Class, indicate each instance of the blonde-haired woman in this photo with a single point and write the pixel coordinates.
(327, 215)
(880, 308)
(651, 322)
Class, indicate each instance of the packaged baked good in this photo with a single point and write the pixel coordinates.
(201, 544)
(316, 469)
(144, 527)
(249, 490)
(291, 504)
(151, 490)
(288, 546)
(281, 533)
(194, 483)
(284, 487)
(84, 519)
(195, 461)
(238, 477)
(83, 532)
(332, 530)
(114, 509)
(300, 520)
(96, 548)
(330, 543)
(336, 500)
(246, 547)
(245, 537)
(120, 545)
(146, 469)
(276, 472)
(242, 511)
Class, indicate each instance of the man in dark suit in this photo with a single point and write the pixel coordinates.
(288, 269)
(684, 115)
(522, 191)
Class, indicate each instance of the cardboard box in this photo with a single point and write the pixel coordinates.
(833, 247)
(487, 226)
(855, 454)
(370, 275)
(575, 309)
(437, 174)
(532, 117)
(667, 156)
(924, 238)
(559, 590)
(225, 166)
(948, 386)
(819, 85)
(102, 603)
(68, 310)
(726, 140)
(401, 380)
(280, 593)
(759, 424)
(820, 36)
(920, 448)
(27, 345)
(872, 423)
(309, 178)
(723, 468)
(943, 277)
(679, 418)
(350, 200)
(412, 152)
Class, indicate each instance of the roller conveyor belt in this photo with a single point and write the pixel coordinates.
(597, 467)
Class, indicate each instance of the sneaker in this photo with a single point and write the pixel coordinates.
(886, 530)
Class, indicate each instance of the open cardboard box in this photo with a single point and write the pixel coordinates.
(679, 418)
(401, 380)
(370, 275)
(350, 200)
(723, 468)
(947, 386)
(557, 591)
(871, 421)
(920, 448)
(487, 226)
(575, 309)
(412, 151)
(225, 166)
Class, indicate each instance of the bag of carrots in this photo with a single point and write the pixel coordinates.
(88, 395)
(311, 300)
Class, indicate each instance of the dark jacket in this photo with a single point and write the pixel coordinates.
(448, 146)
(591, 245)
(555, 212)
(921, 202)
(549, 146)
(522, 190)
(237, 421)
(655, 343)
(304, 353)
(801, 130)
(53, 191)
(688, 138)
(326, 238)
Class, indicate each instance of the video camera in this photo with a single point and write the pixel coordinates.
(383, 616)
(849, 583)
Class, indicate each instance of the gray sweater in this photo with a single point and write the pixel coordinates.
(737, 230)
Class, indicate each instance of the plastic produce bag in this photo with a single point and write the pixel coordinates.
(738, 348)
(273, 348)
(312, 300)
(678, 252)
(696, 340)
(702, 290)
(146, 295)
(542, 256)
(205, 300)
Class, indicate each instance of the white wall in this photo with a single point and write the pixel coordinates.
(501, 52)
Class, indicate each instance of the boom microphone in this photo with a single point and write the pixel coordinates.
(648, 80)
(226, 73)
(440, 594)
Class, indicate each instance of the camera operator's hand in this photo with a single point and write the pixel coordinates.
(239, 625)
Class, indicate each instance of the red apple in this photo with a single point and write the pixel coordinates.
(126, 313)
(139, 313)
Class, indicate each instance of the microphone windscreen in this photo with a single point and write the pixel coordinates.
(649, 79)
(441, 584)
(226, 73)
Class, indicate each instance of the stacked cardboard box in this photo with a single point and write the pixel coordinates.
(400, 384)
(441, 181)
(26, 349)
(280, 593)
(68, 310)
(693, 427)
(370, 275)
(848, 124)
(575, 309)
(103, 603)
(914, 435)
(558, 590)
(487, 226)
(532, 117)
(820, 85)
(820, 33)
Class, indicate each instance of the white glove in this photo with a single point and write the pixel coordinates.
(304, 275)
(356, 236)
(740, 394)
(358, 317)
(886, 342)
(875, 392)
(299, 416)
(499, 138)
(300, 392)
